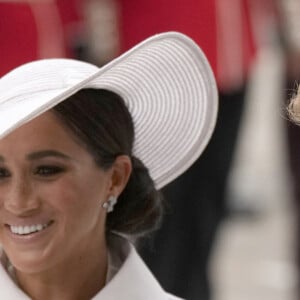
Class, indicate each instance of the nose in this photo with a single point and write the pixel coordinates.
(20, 199)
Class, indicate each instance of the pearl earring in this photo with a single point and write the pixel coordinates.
(110, 203)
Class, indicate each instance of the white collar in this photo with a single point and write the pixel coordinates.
(132, 280)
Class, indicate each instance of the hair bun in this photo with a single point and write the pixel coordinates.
(139, 209)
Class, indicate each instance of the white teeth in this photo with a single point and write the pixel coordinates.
(21, 230)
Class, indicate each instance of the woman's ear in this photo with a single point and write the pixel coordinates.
(120, 173)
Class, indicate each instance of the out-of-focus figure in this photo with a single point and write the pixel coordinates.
(289, 14)
(101, 30)
(32, 29)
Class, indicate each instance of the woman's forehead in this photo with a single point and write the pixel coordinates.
(44, 130)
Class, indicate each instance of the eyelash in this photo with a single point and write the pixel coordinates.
(43, 171)
(4, 173)
(47, 171)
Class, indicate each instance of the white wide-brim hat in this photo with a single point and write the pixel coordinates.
(165, 81)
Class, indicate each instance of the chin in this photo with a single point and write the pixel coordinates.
(29, 262)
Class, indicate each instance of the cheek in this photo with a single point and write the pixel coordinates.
(75, 201)
(62, 195)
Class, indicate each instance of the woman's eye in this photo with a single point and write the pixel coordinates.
(4, 173)
(48, 170)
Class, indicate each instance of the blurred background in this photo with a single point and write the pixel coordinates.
(256, 249)
(238, 238)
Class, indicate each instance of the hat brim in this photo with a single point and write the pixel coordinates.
(165, 81)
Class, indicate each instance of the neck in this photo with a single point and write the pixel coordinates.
(80, 277)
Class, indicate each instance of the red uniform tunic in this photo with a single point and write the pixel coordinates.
(31, 30)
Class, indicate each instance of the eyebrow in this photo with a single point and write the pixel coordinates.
(46, 153)
(42, 154)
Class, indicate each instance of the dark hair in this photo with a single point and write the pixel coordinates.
(103, 124)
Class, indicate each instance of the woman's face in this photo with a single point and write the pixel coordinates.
(51, 196)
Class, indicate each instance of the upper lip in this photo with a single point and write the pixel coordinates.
(9, 219)
(28, 222)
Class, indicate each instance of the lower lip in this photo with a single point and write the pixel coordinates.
(29, 238)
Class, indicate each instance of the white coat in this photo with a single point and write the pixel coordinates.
(132, 280)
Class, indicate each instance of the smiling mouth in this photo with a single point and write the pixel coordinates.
(30, 229)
